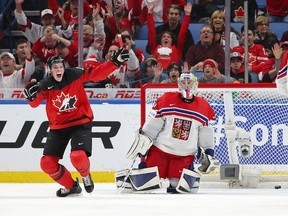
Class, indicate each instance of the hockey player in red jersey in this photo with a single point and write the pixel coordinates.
(177, 130)
(70, 116)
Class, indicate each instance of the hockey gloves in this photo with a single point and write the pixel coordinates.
(140, 145)
(30, 91)
(208, 162)
(120, 57)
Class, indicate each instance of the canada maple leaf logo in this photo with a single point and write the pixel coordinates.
(239, 14)
(65, 103)
(114, 80)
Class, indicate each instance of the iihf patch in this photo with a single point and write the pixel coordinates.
(181, 129)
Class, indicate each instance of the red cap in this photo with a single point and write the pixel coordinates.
(211, 62)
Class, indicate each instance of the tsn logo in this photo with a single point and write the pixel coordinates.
(111, 131)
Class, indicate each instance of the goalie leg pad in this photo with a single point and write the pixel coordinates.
(125, 187)
(189, 182)
(140, 146)
(145, 180)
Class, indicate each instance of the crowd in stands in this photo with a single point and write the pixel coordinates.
(170, 46)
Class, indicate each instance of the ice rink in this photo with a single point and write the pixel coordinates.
(40, 200)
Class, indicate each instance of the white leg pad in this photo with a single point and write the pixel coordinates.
(145, 180)
(125, 187)
(189, 182)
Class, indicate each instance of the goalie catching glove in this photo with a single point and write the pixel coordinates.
(30, 91)
(120, 57)
(140, 145)
(208, 163)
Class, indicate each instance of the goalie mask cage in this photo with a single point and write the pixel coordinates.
(258, 108)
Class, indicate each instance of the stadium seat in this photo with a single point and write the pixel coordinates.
(261, 3)
(254, 77)
(143, 31)
(278, 28)
(195, 31)
(142, 45)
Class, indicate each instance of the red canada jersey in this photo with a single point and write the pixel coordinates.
(66, 101)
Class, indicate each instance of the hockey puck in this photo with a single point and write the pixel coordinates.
(277, 186)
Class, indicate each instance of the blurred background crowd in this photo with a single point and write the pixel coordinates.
(163, 38)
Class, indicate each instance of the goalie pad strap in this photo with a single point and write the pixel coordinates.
(140, 146)
(189, 182)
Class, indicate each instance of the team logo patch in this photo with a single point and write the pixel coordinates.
(181, 129)
(65, 103)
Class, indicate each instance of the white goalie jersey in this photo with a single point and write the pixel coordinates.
(179, 127)
(281, 80)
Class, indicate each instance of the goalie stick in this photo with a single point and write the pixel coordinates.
(127, 175)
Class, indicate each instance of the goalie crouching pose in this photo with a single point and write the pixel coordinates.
(175, 132)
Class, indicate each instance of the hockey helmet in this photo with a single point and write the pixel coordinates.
(187, 84)
(53, 60)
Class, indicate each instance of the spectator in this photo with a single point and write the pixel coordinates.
(284, 36)
(33, 31)
(237, 70)
(263, 35)
(97, 47)
(125, 75)
(124, 22)
(284, 45)
(152, 71)
(203, 10)
(205, 49)
(68, 51)
(11, 78)
(174, 72)
(70, 13)
(257, 56)
(128, 41)
(88, 39)
(237, 11)
(167, 50)
(160, 9)
(277, 11)
(45, 47)
(271, 67)
(20, 59)
(211, 74)
(173, 25)
(217, 23)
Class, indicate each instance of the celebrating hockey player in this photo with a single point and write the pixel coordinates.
(176, 131)
(70, 116)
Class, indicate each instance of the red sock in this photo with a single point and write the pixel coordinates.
(81, 162)
(49, 164)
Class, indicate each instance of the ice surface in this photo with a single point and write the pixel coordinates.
(40, 199)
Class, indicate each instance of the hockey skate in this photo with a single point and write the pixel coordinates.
(75, 190)
(88, 183)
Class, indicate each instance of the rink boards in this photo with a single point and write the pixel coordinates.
(23, 134)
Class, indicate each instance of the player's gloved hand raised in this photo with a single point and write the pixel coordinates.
(30, 91)
(120, 57)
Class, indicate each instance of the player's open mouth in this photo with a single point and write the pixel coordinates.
(59, 75)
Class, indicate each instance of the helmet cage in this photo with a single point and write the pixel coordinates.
(187, 89)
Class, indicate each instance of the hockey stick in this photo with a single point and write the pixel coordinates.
(127, 175)
(117, 24)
